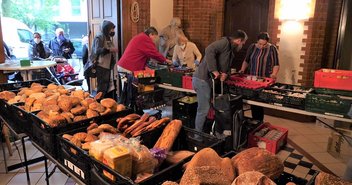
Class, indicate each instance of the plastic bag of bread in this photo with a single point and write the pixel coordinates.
(98, 147)
(142, 160)
(253, 178)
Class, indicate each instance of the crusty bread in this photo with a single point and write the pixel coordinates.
(329, 179)
(257, 159)
(108, 102)
(253, 178)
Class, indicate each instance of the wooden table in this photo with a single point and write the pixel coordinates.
(26, 71)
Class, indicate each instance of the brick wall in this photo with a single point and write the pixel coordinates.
(321, 39)
(202, 20)
(273, 24)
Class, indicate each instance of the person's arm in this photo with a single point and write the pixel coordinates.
(243, 67)
(197, 53)
(211, 53)
(149, 49)
(175, 57)
(275, 60)
(98, 47)
(72, 48)
(247, 58)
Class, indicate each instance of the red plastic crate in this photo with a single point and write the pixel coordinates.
(250, 82)
(333, 79)
(271, 145)
(187, 82)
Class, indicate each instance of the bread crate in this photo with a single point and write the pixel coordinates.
(268, 137)
(333, 79)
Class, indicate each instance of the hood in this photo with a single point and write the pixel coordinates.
(106, 26)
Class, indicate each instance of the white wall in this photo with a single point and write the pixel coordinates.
(161, 13)
(290, 51)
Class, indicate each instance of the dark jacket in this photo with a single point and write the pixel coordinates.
(38, 51)
(85, 53)
(57, 48)
(99, 42)
(218, 57)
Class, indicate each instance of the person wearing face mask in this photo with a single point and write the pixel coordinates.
(61, 46)
(167, 37)
(261, 60)
(186, 53)
(103, 52)
(217, 61)
(38, 50)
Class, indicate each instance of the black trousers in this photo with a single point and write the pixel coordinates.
(257, 112)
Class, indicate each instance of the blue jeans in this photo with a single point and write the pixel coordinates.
(202, 89)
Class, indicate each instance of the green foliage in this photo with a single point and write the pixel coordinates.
(37, 14)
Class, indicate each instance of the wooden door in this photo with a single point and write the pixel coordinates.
(99, 10)
(250, 16)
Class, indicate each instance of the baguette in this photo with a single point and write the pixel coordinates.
(157, 123)
(143, 125)
(170, 133)
(143, 119)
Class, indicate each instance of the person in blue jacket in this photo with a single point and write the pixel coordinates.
(61, 46)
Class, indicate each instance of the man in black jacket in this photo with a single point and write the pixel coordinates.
(217, 60)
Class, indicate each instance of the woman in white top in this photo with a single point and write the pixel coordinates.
(186, 53)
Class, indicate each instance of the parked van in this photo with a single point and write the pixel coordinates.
(17, 36)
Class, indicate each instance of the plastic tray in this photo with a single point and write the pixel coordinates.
(184, 141)
(333, 79)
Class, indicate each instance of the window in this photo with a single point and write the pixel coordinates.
(24, 35)
(76, 7)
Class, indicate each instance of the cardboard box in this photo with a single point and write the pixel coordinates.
(338, 145)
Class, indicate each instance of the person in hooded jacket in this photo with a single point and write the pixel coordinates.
(61, 46)
(37, 49)
(103, 52)
(217, 61)
(167, 37)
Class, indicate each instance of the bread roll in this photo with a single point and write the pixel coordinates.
(108, 102)
(253, 178)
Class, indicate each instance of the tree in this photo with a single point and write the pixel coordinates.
(37, 14)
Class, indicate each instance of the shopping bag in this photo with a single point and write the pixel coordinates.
(90, 69)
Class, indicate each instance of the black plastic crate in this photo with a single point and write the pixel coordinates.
(20, 119)
(186, 140)
(251, 94)
(185, 110)
(283, 98)
(79, 163)
(18, 85)
(150, 99)
(44, 135)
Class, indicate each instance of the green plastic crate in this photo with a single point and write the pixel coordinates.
(329, 104)
(170, 78)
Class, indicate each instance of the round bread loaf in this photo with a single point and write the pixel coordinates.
(256, 159)
(108, 102)
(252, 177)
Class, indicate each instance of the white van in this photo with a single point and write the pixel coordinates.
(17, 36)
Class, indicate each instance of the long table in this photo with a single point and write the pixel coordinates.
(267, 105)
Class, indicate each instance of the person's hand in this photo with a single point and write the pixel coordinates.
(175, 63)
(241, 71)
(273, 76)
(223, 77)
(113, 50)
(196, 62)
(216, 74)
(168, 62)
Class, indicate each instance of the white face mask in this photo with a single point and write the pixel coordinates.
(37, 40)
(183, 46)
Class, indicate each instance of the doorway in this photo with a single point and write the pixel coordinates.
(250, 16)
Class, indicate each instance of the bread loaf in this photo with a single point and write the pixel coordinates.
(329, 179)
(253, 178)
(256, 159)
(170, 133)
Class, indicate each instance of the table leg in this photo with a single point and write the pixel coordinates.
(46, 171)
(25, 160)
(29, 76)
(6, 133)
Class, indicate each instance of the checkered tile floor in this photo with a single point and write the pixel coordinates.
(296, 164)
